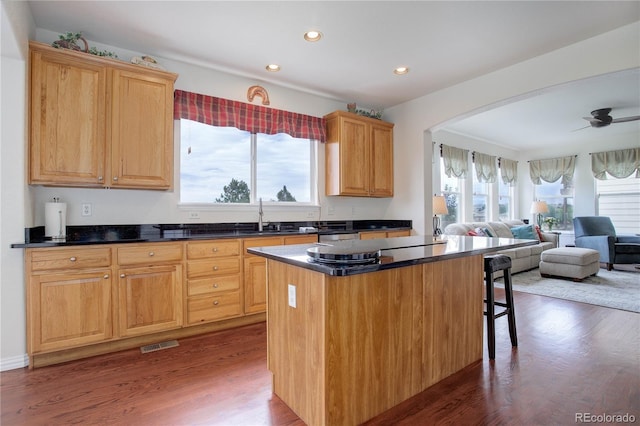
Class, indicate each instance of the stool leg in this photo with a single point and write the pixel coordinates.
(491, 317)
(510, 307)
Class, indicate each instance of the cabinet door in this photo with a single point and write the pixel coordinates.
(150, 299)
(141, 131)
(373, 235)
(381, 184)
(69, 309)
(68, 133)
(255, 285)
(354, 157)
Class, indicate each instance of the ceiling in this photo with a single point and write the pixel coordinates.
(442, 43)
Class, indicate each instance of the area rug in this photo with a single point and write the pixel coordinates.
(613, 289)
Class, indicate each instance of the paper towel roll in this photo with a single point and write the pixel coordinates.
(55, 220)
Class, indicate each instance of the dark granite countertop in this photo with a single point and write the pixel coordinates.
(112, 234)
(394, 252)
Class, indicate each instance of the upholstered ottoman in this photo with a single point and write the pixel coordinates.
(569, 262)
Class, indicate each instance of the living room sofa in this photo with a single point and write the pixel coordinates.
(522, 258)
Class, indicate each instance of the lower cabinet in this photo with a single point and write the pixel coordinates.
(372, 235)
(150, 299)
(69, 309)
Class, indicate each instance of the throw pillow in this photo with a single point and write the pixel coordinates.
(540, 237)
(524, 232)
(480, 232)
(472, 234)
(487, 232)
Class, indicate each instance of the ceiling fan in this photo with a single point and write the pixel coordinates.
(601, 118)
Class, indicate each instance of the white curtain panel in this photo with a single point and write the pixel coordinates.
(509, 171)
(619, 164)
(456, 161)
(552, 169)
(486, 168)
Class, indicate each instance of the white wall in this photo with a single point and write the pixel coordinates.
(412, 155)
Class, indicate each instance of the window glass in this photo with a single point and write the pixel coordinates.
(283, 172)
(559, 198)
(505, 197)
(222, 165)
(452, 190)
(480, 199)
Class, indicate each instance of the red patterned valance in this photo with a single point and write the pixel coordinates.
(251, 118)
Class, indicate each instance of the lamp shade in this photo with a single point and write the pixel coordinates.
(539, 207)
(439, 205)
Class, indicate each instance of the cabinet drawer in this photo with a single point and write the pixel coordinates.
(213, 267)
(217, 248)
(213, 285)
(210, 308)
(301, 239)
(260, 242)
(71, 258)
(150, 254)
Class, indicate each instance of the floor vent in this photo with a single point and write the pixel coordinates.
(159, 346)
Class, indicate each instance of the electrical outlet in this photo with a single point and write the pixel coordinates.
(331, 211)
(194, 215)
(86, 209)
(292, 295)
(310, 215)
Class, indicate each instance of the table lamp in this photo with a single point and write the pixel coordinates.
(439, 207)
(538, 208)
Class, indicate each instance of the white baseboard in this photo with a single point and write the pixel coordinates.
(14, 362)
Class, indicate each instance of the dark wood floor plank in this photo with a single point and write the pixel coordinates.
(573, 358)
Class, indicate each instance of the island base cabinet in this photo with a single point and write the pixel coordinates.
(355, 346)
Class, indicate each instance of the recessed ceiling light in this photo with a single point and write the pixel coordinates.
(312, 35)
(401, 70)
(273, 67)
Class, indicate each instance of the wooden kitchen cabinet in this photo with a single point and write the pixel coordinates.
(358, 156)
(213, 281)
(99, 122)
(70, 298)
(372, 235)
(255, 269)
(149, 288)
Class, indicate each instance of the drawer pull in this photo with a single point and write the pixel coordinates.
(215, 249)
(215, 302)
(72, 259)
(215, 286)
(215, 268)
(106, 276)
(122, 275)
(115, 178)
(151, 253)
(100, 178)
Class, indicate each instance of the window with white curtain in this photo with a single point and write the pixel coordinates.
(452, 189)
(480, 199)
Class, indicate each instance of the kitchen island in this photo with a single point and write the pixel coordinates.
(347, 342)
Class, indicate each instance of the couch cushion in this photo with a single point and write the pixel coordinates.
(523, 252)
(501, 230)
(458, 229)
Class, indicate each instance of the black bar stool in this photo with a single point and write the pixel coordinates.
(493, 263)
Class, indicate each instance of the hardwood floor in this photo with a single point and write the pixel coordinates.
(573, 358)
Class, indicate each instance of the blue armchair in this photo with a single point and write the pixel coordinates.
(598, 233)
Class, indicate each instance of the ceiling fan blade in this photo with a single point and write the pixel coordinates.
(581, 128)
(623, 119)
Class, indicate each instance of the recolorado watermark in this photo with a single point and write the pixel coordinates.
(605, 418)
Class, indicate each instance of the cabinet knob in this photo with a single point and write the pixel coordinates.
(106, 276)
(215, 286)
(215, 249)
(72, 259)
(151, 254)
(215, 268)
(100, 178)
(122, 275)
(115, 178)
(215, 302)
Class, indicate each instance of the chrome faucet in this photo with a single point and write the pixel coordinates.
(260, 214)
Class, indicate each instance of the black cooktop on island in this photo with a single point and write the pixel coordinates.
(101, 234)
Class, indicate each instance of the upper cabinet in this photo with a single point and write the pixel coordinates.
(99, 122)
(358, 156)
